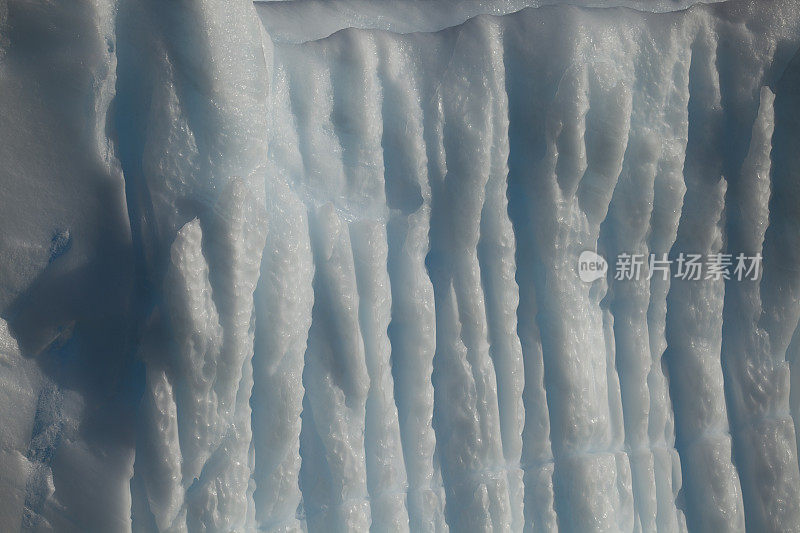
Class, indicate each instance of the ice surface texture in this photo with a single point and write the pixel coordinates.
(328, 282)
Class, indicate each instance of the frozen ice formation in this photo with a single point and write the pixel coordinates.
(312, 266)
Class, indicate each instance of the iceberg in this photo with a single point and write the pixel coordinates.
(356, 265)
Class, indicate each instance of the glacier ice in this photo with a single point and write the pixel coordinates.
(312, 266)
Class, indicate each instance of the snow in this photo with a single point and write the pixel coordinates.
(312, 266)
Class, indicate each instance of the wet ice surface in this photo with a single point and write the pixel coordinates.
(254, 276)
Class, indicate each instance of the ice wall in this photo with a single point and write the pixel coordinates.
(257, 278)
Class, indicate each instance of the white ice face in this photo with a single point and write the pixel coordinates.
(399, 266)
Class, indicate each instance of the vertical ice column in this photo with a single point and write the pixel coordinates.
(284, 300)
(358, 102)
(466, 415)
(758, 378)
(333, 475)
(521, 56)
(235, 246)
(567, 183)
(668, 191)
(412, 327)
(386, 478)
(186, 461)
(386, 474)
(172, 450)
(634, 227)
(694, 312)
(203, 156)
(496, 255)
